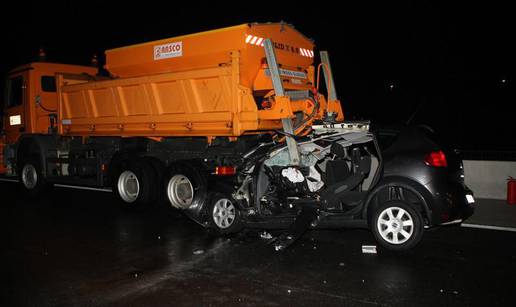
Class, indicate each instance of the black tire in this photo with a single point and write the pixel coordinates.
(135, 183)
(400, 230)
(224, 214)
(193, 179)
(32, 180)
(158, 169)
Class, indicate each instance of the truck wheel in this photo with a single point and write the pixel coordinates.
(397, 226)
(158, 169)
(186, 187)
(31, 177)
(135, 183)
(224, 214)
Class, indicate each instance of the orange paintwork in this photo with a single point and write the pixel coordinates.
(211, 49)
(207, 90)
(210, 90)
(34, 117)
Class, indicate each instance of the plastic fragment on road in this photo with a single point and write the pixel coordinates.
(368, 249)
(265, 235)
(198, 252)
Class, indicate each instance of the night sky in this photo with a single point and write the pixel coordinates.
(452, 63)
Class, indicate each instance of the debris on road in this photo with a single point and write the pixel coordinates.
(265, 235)
(198, 252)
(368, 249)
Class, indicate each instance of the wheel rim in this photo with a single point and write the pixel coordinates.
(180, 191)
(29, 176)
(395, 225)
(128, 186)
(224, 213)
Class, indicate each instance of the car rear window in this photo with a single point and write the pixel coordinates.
(386, 138)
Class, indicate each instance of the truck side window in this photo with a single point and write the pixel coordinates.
(15, 91)
(48, 83)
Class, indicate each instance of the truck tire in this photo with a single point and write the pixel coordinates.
(186, 187)
(224, 214)
(134, 183)
(397, 225)
(31, 177)
(158, 168)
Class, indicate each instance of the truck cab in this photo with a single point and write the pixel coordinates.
(30, 101)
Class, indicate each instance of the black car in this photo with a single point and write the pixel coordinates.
(345, 179)
(420, 171)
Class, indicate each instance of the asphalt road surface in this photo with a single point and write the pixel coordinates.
(81, 248)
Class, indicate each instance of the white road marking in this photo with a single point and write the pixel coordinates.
(489, 227)
(9, 180)
(82, 188)
(65, 186)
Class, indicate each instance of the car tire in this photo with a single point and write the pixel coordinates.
(31, 177)
(134, 183)
(224, 214)
(397, 225)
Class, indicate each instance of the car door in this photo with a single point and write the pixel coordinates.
(15, 107)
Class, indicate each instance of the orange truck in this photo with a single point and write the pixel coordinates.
(173, 118)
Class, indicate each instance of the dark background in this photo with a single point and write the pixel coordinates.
(451, 62)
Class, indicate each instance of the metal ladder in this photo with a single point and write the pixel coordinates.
(279, 91)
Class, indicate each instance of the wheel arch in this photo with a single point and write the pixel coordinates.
(405, 183)
(35, 145)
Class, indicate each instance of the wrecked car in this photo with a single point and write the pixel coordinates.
(340, 182)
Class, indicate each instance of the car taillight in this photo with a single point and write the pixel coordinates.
(436, 159)
(225, 170)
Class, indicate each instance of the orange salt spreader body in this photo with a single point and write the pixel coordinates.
(213, 83)
(210, 84)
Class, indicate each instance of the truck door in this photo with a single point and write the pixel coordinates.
(15, 106)
(45, 102)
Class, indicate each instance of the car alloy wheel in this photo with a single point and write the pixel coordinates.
(395, 225)
(224, 213)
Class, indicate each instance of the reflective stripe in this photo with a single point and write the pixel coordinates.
(248, 38)
(259, 41)
(254, 40)
(306, 52)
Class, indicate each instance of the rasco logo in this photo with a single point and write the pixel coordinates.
(166, 51)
